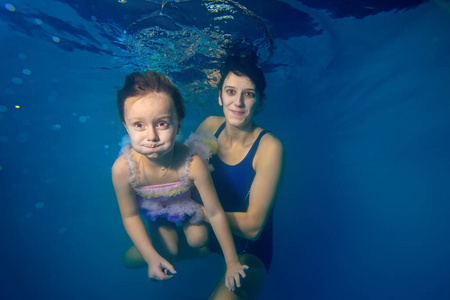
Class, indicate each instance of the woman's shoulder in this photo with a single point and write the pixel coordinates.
(211, 124)
(270, 142)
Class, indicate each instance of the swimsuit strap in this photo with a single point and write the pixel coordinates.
(126, 150)
(256, 143)
(187, 168)
(220, 130)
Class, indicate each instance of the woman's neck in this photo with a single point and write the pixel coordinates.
(240, 135)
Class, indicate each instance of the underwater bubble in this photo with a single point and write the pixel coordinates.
(22, 56)
(1, 168)
(125, 140)
(83, 119)
(56, 39)
(28, 215)
(94, 18)
(56, 127)
(106, 146)
(38, 21)
(26, 71)
(39, 204)
(16, 80)
(3, 108)
(10, 7)
(62, 230)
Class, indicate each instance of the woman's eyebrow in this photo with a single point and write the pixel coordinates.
(233, 87)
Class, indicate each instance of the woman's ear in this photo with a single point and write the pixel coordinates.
(220, 98)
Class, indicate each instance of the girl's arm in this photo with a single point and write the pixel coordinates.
(126, 198)
(268, 165)
(201, 177)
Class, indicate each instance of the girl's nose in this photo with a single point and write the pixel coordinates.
(152, 134)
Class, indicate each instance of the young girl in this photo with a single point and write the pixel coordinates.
(155, 174)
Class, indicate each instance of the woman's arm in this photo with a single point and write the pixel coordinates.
(268, 165)
(133, 224)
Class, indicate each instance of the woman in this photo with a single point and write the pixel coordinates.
(248, 166)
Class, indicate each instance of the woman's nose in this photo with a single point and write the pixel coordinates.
(239, 101)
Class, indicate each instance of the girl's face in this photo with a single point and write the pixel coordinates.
(152, 124)
(239, 100)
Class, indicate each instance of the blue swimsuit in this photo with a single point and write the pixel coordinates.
(233, 188)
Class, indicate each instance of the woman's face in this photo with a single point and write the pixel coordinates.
(239, 100)
(152, 124)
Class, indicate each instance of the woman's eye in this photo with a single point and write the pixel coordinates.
(138, 125)
(250, 94)
(231, 92)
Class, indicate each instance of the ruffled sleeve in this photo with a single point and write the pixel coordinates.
(204, 145)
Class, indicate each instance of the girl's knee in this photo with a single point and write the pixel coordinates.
(197, 241)
(196, 236)
(133, 259)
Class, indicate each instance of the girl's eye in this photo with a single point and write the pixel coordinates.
(250, 94)
(138, 125)
(162, 124)
(231, 92)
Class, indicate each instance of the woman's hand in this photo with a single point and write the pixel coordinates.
(160, 269)
(205, 215)
(233, 274)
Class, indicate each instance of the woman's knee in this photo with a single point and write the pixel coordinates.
(251, 285)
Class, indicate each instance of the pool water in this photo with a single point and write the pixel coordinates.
(358, 92)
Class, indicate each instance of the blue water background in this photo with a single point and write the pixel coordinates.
(361, 103)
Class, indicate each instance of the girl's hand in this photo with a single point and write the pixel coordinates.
(160, 269)
(233, 274)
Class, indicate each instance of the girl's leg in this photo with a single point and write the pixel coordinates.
(133, 259)
(164, 237)
(186, 250)
(197, 235)
(250, 285)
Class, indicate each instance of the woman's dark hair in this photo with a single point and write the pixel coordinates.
(143, 83)
(244, 66)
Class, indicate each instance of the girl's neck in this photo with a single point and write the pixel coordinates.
(159, 162)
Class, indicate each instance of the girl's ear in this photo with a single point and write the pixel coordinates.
(220, 98)
(126, 128)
